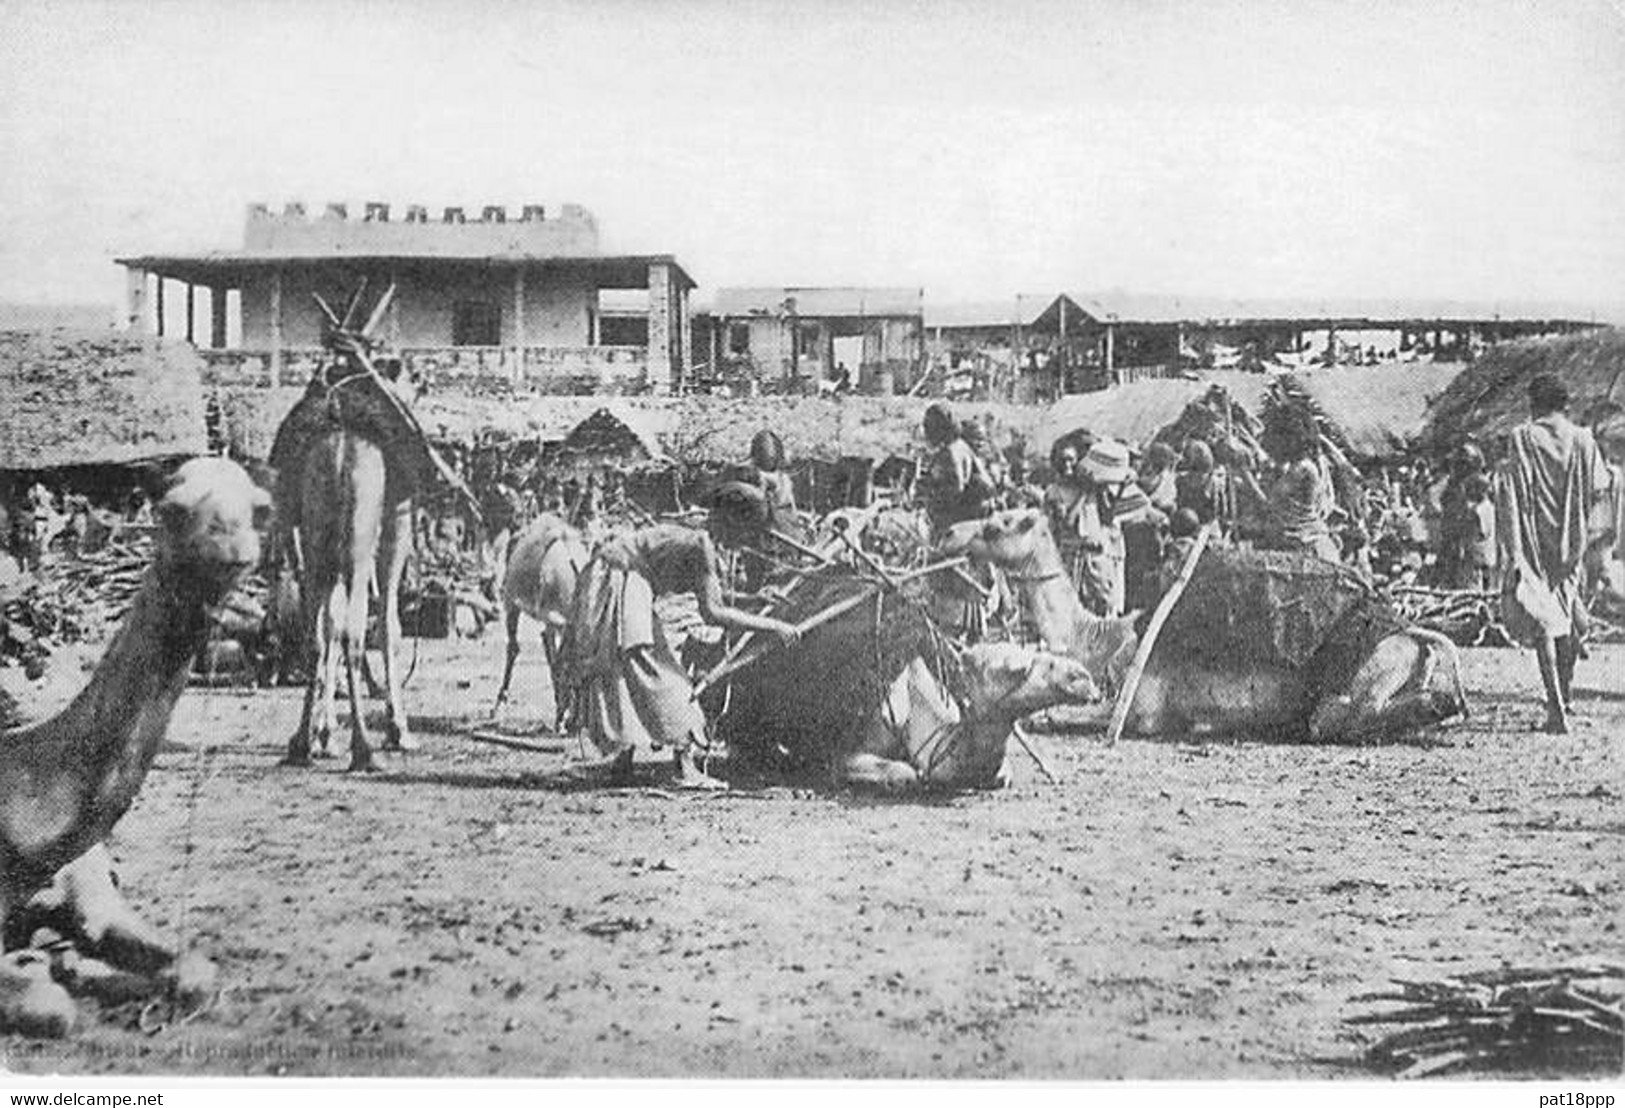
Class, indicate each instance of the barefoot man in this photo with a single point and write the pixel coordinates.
(1552, 474)
(631, 690)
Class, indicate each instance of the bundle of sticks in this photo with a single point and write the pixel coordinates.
(1565, 1019)
(78, 597)
(1467, 617)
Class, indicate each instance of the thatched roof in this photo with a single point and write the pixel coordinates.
(625, 438)
(71, 397)
(1382, 409)
(1491, 396)
(1135, 412)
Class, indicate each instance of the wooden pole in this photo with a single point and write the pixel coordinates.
(1142, 653)
(760, 648)
(191, 311)
(1026, 743)
(160, 302)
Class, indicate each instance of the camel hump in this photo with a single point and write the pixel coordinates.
(362, 405)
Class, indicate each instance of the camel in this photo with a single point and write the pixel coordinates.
(920, 737)
(1393, 689)
(66, 781)
(355, 527)
(539, 579)
(352, 493)
(1018, 541)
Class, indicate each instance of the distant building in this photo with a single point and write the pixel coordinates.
(521, 298)
(1037, 348)
(816, 339)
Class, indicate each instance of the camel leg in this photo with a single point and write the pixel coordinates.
(395, 544)
(314, 621)
(333, 653)
(350, 635)
(512, 614)
(1389, 696)
(552, 646)
(104, 919)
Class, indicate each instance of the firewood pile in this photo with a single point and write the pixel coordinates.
(1565, 1020)
(1467, 617)
(76, 598)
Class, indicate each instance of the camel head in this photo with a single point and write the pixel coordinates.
(1005, 680)
(1008, 538)
(210, 519)
(1002, 682)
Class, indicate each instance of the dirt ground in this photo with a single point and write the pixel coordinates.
(1165, 911)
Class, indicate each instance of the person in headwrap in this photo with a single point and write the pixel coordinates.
(1197, 486)
(1552, 476)
(767, 459)
(956, 485)
(1158, 478)
(1467, 523)
(630, 690)
(1301, 498)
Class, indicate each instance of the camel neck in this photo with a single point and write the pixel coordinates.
(113, 727)
(1051, 599)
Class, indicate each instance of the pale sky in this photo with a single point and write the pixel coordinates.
(1430, 150)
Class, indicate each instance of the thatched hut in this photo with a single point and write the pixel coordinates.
(1492, 396)
(74, 399)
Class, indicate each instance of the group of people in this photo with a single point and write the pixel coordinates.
(41, 518)
(1534, 529)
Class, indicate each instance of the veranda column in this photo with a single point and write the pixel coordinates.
(135, 299)
(657, 374)
(276, 327)
(217, 316)
(685, 338)
(518, 370)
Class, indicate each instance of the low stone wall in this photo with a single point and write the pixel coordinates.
(472, 370)
(688, 429)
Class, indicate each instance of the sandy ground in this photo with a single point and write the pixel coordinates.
(1166, 911)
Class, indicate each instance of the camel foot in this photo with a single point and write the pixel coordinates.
(362, 764)
(398, 739)
(296, 759)
(1556, 723)
(31, 1003)
(616, 769)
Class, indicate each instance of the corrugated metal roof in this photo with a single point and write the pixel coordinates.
(820, 302)
(984, 314)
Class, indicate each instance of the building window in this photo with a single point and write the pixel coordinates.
(738, 338)
(476, 323)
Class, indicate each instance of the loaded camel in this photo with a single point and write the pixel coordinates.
(920, 736)
(351, 493)
(539, 580)
(66, 781)
(1390, 686)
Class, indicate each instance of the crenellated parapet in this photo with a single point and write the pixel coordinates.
(376, 228)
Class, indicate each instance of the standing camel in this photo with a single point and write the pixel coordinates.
(65, 782)
(539, 579)
(355, 523)
(352, 486)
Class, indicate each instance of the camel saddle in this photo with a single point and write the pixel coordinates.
(349, 396)
(1279, 608)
